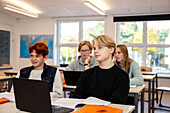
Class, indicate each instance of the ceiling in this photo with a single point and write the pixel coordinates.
(71, 8)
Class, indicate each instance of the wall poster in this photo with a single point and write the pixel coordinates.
(28, 40)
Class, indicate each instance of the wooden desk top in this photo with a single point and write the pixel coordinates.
(148, 77)
(10, 71)
(126, 108)
(71, 87)
(164, 76)
(149, 73)
(137, 89)
(62, 68)
(9, 107)
(6, 77)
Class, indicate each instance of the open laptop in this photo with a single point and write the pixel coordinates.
(72, 77)
(33, 96)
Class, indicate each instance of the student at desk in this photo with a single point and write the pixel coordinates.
(85, 60)
(40, 71)
(128, 65)
(106, 81)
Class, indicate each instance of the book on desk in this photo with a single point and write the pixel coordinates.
(89, 105)
(74, 103)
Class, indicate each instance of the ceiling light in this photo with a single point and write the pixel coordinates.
(21, 11)
(92, 6)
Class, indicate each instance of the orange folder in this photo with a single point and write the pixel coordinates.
(3, 100)
(98, 109)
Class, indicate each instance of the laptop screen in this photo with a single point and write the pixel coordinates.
(72, 77)
(32, 95)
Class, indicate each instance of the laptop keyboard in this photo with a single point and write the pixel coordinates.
(58, 109)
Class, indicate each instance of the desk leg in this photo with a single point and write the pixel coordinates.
(153, 95)
(136, 103)
(142, 101)
(149, 98)
(9, 84)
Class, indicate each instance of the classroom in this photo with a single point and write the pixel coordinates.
(142, 25)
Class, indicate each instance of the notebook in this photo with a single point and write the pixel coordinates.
(33, 96)
(72, 77)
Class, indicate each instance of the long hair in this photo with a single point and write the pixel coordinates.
(126, 60)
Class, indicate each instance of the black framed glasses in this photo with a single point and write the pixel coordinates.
(84, 51)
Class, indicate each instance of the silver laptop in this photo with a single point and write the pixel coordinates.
(33, 96)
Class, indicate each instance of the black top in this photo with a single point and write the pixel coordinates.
(107, 84)
(48, 74)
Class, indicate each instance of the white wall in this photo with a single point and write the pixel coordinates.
(30, 26)
(42, 26)
(109, 26)
(7, 23)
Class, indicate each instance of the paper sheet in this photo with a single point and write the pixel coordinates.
(67, 102)
(7, 95)
(71, 103)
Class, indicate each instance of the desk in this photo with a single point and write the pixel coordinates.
(5, 68)
(7, 78)
(62, 68)
(164, 76)
(149, 73)
(10, 108)
(136, 91)
(150, 79)
(10, 72)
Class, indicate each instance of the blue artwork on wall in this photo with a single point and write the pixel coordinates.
(27, 40)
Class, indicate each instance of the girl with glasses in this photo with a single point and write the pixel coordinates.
(85, 60)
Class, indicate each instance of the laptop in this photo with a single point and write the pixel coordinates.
(33, 96)
(72, 77)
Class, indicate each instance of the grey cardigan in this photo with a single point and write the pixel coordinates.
(135, 74)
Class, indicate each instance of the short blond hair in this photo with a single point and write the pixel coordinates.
(104, 40)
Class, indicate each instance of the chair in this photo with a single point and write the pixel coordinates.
(2, 83)
(163, 89)
(149, 69)
(63, 65)
(145, 69)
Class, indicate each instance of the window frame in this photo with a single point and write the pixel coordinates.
(57, 37)
(144, 44)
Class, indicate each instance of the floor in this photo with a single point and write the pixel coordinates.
(165, 101)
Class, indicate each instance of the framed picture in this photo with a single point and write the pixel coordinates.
(27, 40)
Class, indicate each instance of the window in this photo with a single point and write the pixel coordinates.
(148, 43)
(131, 32)
(71, 33)
(92, 29)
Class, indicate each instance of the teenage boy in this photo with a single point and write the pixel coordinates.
(106, 81)
(40, 71)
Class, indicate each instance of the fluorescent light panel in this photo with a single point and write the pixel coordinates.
(21, 11)
(92, 6)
